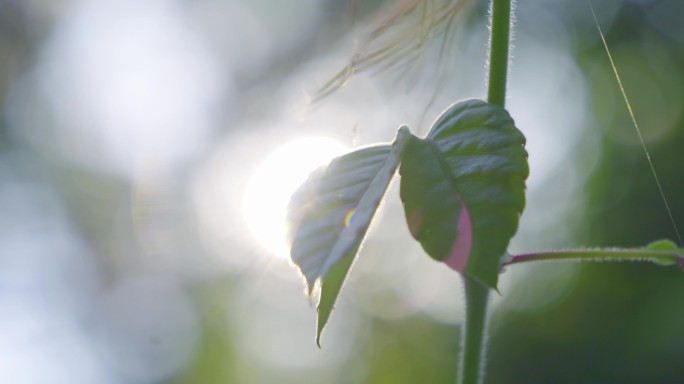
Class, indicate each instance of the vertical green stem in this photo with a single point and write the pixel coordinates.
(472, 362)
(473, 332)
(499, 41)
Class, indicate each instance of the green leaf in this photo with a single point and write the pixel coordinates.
(662, 245)
(666, 245)
(330, 213)
(463, 187)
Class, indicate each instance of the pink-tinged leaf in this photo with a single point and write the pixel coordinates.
(458, 258)
(463, 188)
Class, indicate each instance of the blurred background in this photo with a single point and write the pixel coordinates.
(148, 149)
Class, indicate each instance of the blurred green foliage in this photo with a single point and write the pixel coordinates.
(620, 323)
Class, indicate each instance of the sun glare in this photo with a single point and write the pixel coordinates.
(279, 175)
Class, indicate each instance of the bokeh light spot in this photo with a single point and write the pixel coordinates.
(270, 187)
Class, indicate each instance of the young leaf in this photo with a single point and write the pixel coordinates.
(662, 245)
(666, 245)
(330, 213)
(463, 187)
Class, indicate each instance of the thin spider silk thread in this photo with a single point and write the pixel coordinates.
(636, 126)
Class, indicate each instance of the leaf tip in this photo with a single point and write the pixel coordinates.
(319, 332)
(308, 290)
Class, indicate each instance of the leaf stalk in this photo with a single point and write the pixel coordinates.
(629, 254)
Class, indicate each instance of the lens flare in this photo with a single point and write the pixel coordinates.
(349, 218)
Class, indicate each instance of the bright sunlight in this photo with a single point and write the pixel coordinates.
(281, 173)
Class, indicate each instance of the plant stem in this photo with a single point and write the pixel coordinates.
(471, 368)
(499, 40)
(473, 332)
(628, 254)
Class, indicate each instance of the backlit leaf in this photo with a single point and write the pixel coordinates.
(330, 213)
(463, 187)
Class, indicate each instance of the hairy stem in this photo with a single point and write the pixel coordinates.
(474, 332)
(471, 368)
(499, 40)
(629, 254)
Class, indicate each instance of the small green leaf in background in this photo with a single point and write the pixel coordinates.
(667, 245)
(463, 187)
(662, 245)
(329, 215)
